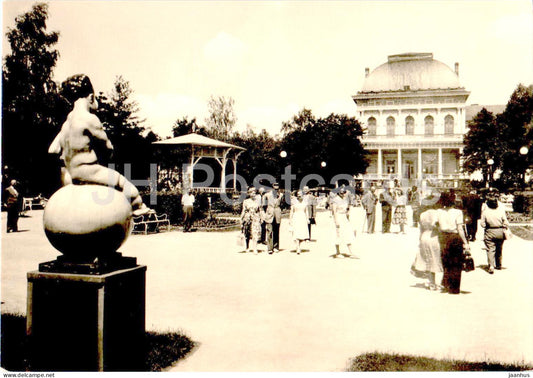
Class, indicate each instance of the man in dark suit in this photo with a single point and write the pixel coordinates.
(369, 202)
(310, 199)
(472, 205)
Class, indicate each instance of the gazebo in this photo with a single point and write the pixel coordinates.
(204, 147)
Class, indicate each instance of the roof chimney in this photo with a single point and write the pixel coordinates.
(457, 68)
(367, 71)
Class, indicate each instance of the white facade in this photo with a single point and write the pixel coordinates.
(413, 110)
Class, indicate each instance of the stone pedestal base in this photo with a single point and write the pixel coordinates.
(84, 322)
(97, 265)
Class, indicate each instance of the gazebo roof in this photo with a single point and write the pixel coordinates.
(194, 139)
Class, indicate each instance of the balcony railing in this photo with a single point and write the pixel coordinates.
(403, 137)
(427, 176)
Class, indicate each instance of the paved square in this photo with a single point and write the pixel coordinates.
(308, 312)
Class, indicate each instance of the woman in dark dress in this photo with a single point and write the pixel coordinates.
(453, 242)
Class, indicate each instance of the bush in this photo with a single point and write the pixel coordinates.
(523, 203)
(221, 206)
(169, 204)
(390, 362)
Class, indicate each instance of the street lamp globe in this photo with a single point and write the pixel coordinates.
(524, 150)
(490, 162)
(283, 154)
(323, 164)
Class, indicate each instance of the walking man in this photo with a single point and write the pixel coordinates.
(310, 199)
(414, 201)
(273, 218)
(387, 202)
(261, 201)
(472, 204)
(369, 202)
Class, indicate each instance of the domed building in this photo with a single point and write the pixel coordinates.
(413, 108)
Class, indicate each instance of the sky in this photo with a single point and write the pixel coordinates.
(276, 57)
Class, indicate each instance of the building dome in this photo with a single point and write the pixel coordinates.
(411, 71)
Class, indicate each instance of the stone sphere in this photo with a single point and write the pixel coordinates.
(87, 221)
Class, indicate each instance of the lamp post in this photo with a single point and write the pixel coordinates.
(524, 151)
(490, 163)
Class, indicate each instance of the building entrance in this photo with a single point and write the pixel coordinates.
(409, 169)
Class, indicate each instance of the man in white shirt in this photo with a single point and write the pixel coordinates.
(187, 202)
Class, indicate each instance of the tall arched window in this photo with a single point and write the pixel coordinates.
(372, 126)
(391, 123)
(448, 124)
(409, 125)
(428, 125)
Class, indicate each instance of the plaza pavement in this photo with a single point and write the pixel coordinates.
(308, 312)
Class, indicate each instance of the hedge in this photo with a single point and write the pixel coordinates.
(523, 203)
(170, 204)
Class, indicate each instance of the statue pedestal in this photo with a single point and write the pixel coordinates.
(86, 322)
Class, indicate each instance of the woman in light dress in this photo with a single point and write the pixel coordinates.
(428, 261)
(343, 228)
(299, 220)
(251, 220)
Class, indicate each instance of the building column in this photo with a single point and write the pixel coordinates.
(419, 166)
(380, 158)
(234, 174)
(400, 163)
(439, 161)
(461, 160)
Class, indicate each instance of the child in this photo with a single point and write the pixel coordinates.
(82, 141)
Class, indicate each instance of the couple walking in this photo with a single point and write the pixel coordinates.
(258, 210)
(390, 199)
(442, 246)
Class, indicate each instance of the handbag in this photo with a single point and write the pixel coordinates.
(468, 262)
(240, 240)
(312, 220)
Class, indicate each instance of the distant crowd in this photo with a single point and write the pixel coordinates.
(447, 223)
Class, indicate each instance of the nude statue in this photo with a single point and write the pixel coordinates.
(82, 143)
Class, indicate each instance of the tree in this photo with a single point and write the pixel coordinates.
(32, 108)
(334, 140)
(183, 127)
(261, 156)
(118, 114)
(221, 119)
(483, 141)
(517, 125)
(500, 138)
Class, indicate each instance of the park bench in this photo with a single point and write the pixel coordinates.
(30, 203)
(150, 222)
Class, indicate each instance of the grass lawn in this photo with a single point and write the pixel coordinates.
(396, 362)
(163, 349)
(524, 232)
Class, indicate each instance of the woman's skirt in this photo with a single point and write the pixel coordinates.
(400, 215)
